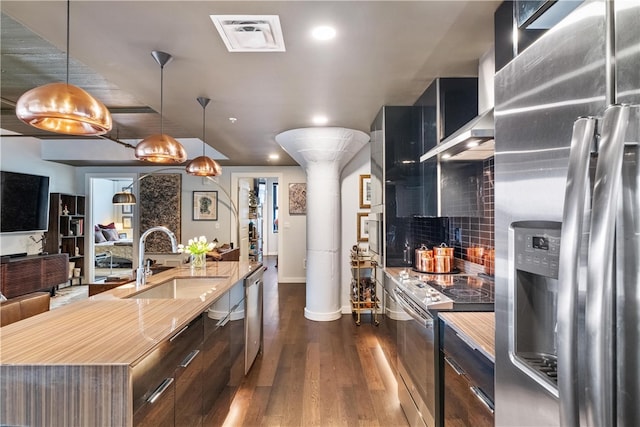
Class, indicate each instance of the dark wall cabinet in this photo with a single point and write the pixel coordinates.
(397, 189)
(402, 186)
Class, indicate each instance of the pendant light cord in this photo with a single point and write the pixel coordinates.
(204, 109)
(161, 99)
(68, 7)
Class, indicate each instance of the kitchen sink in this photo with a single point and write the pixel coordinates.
(181, 288)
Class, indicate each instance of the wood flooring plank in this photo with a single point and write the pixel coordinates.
(310, 373)
(311, 388)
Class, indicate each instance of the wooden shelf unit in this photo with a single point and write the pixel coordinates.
(255, 231)
(67, 227)
(363, 286)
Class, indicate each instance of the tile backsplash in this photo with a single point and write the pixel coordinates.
(462, 232)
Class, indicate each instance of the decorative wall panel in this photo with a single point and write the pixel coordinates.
(160, 204)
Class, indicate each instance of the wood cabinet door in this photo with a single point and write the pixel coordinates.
(189, 390)
(462, 407)
(159, 413)
(55, 270)
(22, 277)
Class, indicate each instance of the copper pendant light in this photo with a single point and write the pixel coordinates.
(64, 108)
(161, 148)
(203, 165)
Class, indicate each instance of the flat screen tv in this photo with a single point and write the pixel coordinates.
(24, 202)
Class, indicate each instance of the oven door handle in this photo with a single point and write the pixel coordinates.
(400, 299)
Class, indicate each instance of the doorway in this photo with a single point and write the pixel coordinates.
(111, 246)
(264, 240)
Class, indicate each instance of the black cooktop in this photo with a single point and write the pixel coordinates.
(462, 289)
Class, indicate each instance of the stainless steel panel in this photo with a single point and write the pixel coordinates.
(539, 95)
(253, 323)
(627, 48)
(416, 362)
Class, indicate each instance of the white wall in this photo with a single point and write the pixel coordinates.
(22, 154)
(349, 195)
(103, 209)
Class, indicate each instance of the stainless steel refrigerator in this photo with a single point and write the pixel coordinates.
(567, 218)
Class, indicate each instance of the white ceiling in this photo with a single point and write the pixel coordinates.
(385, 53)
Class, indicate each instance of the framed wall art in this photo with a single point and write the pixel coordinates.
(127, 221)
(160, 202)
(363, 227)
(298, 199)
(365, 191)
(205, 205)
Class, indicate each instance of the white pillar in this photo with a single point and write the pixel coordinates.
(323, 152)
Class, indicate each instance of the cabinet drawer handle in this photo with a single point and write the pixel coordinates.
(178, 334)
(161, 389)
(454, 366)
(482, 398)
(187, 360)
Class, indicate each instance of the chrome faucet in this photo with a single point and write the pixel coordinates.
(142, 272)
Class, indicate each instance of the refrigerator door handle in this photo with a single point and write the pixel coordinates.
(599, 303)
(576, 191)
(628, 279)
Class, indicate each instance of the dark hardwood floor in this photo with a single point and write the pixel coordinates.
(316, 373)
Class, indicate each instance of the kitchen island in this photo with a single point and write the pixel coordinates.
(85, 363)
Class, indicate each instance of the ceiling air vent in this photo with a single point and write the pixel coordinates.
(250, 33)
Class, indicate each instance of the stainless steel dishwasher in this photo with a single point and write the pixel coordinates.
(253, 321)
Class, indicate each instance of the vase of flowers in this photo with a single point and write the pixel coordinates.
(197, 248)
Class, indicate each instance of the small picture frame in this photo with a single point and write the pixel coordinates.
(205, 205)
(363, 226)
(127, 222)
(127, 209)
(365, 191)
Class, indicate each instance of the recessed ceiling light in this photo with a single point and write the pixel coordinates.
(472, 144)
(446, 156)
(274, 156)
(320, 120)
(323, 32)
(233, 119)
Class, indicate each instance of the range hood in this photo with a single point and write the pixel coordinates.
(473, 141)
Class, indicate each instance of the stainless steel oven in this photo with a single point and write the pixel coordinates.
(418, 370)
(416, 376)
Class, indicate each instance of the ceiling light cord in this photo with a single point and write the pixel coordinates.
(161, 99)
(204, 112)
(68, 36)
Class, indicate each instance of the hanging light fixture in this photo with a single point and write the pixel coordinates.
(161, 148)
(64, 108)
(203, 165)
(123, 198)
